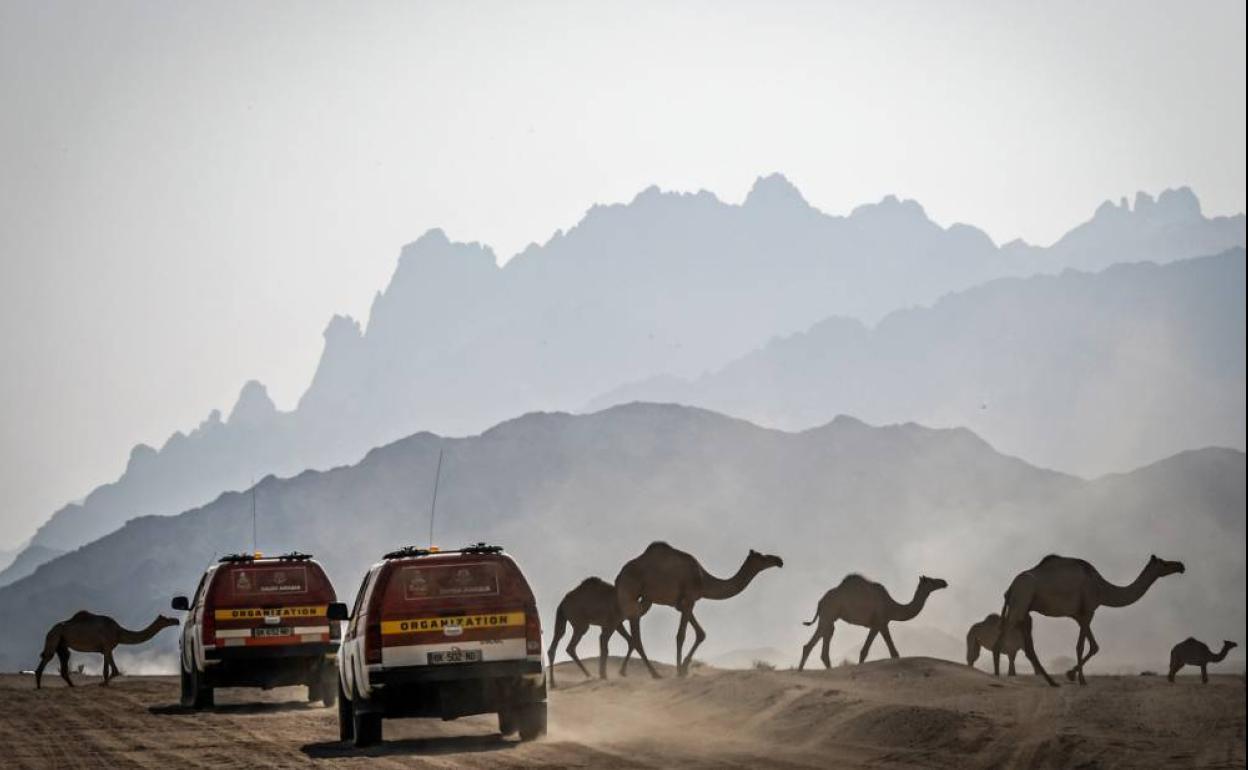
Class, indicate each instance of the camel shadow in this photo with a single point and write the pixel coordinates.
(446, 744)
(176, 709)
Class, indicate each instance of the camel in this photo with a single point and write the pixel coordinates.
(984, 635)
(670, 577)
(1193, 652)
(592, 603)
(863, 602)
(1061, 587)
(88, 632)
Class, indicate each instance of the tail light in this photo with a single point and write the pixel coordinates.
(209, 627)
(372, 642)
(532, 630)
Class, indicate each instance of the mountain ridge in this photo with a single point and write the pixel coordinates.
(573, 495)
(670, 282)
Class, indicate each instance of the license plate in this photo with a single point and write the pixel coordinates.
(272, 631)
(455, 656)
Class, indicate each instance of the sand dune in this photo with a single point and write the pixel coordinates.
(915, 712)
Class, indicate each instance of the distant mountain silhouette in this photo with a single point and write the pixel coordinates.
(668, 283)
(1087, 373)
(572, 496)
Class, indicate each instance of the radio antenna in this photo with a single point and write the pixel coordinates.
(433, 507)
(253, 514)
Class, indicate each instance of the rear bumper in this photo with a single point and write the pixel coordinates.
(271, 666)
(495, 669)
(452, 691)
(272, 652)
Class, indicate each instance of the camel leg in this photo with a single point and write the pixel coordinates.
(1175, 665)
(577, 633)
(888, 639)
(822, 631)
(62, 654)
(1093, 648)
(825, 647)
(1029, 649)
(698, 636)
(634, 628)
(866, 648)
(44, 657)
(1083, 635)
(680, 643)
(1204, 673)
(628, 653)
(1012, 654)
(604, 639)
(996, 663)
(560, 625)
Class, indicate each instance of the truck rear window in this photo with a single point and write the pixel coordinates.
(261, 585)
(448, 581)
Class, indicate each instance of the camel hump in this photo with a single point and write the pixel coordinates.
(594, 582)
(854, 578)
(82, 615)
(659, 545)
(992, 617)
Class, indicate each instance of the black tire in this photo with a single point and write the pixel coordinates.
(531, 721)
(367, 728)
(184, 680)
(197, 694)
(507, 722)
(329, 685)
(346, 716)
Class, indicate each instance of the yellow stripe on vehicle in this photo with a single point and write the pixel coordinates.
(253, 613)
(466, 622)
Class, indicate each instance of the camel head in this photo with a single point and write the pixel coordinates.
(164, 621)
(1163, 567)
(1228, 645)
(929, 584)
(757, 562)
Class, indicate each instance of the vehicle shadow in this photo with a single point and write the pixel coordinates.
(235, 708)
(444, 744)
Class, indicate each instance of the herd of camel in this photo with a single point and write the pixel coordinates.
(1058, 586)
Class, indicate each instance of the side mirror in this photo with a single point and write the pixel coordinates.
(180, 603)
(338, 611)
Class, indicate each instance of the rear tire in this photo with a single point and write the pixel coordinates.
(367, 728)
(195, 693)
(329, 686)
(531, 721)
(507, 722)
(346, 716)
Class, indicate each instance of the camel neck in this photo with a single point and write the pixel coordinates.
(1220, 656)
(126, 636)
(905, 612)
(1121, 596)
(718, 588)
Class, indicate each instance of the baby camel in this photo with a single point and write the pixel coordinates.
(864, 603)
(88, 632)
(983, 635)
(592, 603)
(1193, 652)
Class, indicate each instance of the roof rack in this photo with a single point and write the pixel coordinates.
(409, 551)
(239, 558)
(235, 558)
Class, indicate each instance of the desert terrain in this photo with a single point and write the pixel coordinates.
(913, 712)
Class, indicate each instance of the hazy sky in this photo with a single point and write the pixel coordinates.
(189, 192)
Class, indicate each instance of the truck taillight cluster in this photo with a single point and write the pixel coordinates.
(209, 627)
(372, 642)
(532, 629)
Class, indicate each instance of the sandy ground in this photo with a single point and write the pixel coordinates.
(915, 712)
